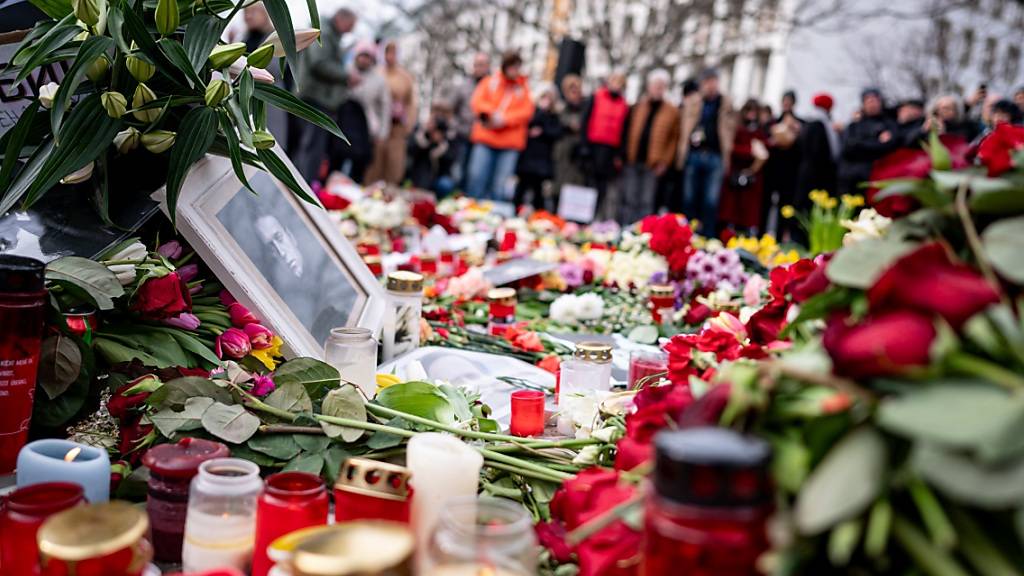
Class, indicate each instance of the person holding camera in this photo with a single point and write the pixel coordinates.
(432, 152)
(743, 190)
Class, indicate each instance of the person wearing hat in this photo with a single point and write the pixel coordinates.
(366, 115)
(910, 123)
(705, 146)
(818, 146)
(870, 137)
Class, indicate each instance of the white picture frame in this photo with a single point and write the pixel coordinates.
(276, 254)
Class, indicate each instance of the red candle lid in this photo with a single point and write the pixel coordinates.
(182, 460)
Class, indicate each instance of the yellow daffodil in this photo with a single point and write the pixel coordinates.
(269, 357)
(788, 211)
(852, 200)
(830, 203)
(385, 380)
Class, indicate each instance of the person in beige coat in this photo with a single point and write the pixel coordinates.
(705, 145)
(389, 159)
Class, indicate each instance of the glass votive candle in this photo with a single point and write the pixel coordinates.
(527, 413)
(597, 353)
(353, 351)
(171, 469)
(106, 539)
(54, 460)
(21, 515)
(291, 501)
(644, 364)
(372, 490)
(579, 376)
(362, 548)
(490, 533)
(220, 525)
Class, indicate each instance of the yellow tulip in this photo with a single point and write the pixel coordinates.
(788, 211)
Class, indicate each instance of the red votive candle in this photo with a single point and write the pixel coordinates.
(373, 262)
(21, 515)
(22, 310)
(291, 501)
(662, 302)
(644, 364)
(527, 413)
(371, 490)
(106, 539)
(428, 265)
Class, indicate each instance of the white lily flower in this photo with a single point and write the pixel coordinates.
(46, 94)
(258, 74)
(587, 456)
(303, 39)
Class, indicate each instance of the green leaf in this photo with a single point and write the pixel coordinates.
(312, 442)
(292, 104)
(246, 86)
(1006, 201)
(192, 344)
(137, 31)
(60, 361)
(385, 440)
(941, 159)
(244, 452)
(175, 393)
(54, 39)
(281, 16)
(859, 265)
(844, 483)
(292, 397)
(56, 9)
(169, 422)
(957, 414)
(281, 171)
(96, 279)
(59, 411)
(334, 458)
(419, 399)
(459, 402)
(195, 135)
(115, 26)
(1004, 247)
(315, 376)
(115, 353)
(965, 480)
(176, 54)
(16, 143)
(314, 14)
(277, 446)
(234, 150)
(344, 402)
(311, 463)
(200, 37)
(644, 334)
(230, 423)
(91, 49)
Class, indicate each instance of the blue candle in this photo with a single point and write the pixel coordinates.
(55, 460)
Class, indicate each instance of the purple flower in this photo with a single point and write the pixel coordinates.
(263, 385)
(659, 277)
(185, 321)
(171, 250)
(188, 272)
(572, 274)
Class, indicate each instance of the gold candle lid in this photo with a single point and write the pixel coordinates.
(405, 281)
(371, 258)
(361, 548)
(594, 352)
(502, 295)
(92, 531)
(374, 478)
(662, 290)
(428, 258)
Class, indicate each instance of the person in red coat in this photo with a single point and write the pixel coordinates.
(743, 189)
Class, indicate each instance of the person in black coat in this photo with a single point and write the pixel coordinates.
(865, 140)
(818, 149)
(536, 163)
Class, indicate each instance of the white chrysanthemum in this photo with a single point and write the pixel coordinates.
(563, 309)
(589, 307)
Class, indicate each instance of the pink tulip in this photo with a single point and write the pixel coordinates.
(188, 272)
(170, 250)
(185, 321)
(263, 385)
(233, 343)
(259, 335)
(226, 298)
(240, 315)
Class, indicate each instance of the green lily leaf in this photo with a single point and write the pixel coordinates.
(281, 16)
(176, 54)
(234, 150)
(290, 103)
(200, 37)
(55, 9)
(16, 142)
(282, 172)
(91, 49)
(195, 135)
(55, 38)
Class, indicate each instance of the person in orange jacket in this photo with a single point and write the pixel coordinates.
(503, 108)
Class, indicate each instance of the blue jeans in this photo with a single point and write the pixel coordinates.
(702, 187)
(489, 172)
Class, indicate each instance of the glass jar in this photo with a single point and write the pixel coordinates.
(501, 307)
(221, 523)
(493, 534)
(171, 469)
(372, 490)
(22, 512)
(106, 539)
(708, 506)
(597, 353)
(362, 548)
(577, 377)
(291, 501)
(662, 303)
(402, 319)
(644, 365)
(22, 311)
(353, 351)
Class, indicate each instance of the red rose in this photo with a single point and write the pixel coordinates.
(697, 313)
(164, 297)
(910, 163)
(551, 535)
(764, 326)
(995, 151)
(132, 437)
(927, 280)
(332, 201)
(880, 345)
(550, 363)
(680, 359)
(706, 410)
(630, 453)
(656, 408)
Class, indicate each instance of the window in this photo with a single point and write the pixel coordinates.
(1011, 68)
(989, 63)
(968, 47)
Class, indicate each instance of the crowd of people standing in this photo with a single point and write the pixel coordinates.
(493, 137)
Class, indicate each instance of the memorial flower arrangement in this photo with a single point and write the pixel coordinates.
(824, 223)
(148, 84)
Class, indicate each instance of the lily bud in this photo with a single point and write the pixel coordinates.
(127, 140)
(166, 17)
(114, 103)
(80, 175)
(262, 56)
(143, 95)
(46, 94)
(158, 141)
(303, 39)
(222, 56)
(263, 140)
(88, 11)
(141, 70)
(258, 74)
(97, 70)
(216, 91)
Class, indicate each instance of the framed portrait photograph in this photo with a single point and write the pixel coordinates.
(279, 256)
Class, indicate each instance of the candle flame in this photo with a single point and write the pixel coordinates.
(72, 454)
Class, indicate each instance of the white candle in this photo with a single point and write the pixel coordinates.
(217, 541)
(443, 467)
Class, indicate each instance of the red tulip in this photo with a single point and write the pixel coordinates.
(259, 335)
(233, 343)
(240, 315)
(885, 344)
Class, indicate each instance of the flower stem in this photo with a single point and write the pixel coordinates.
(929, 558)
(363, 425)
(538, 444)
(392, 413)
(523, 464)
(521, 472)
(968, 364)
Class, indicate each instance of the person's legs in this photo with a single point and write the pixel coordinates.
(628, 193)
(522, 187)
(691, 177)
(711, 193)
(478, 173)
(394, 158)
(312, 151)
(539, 202)
(504, 168)
(645, 202)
